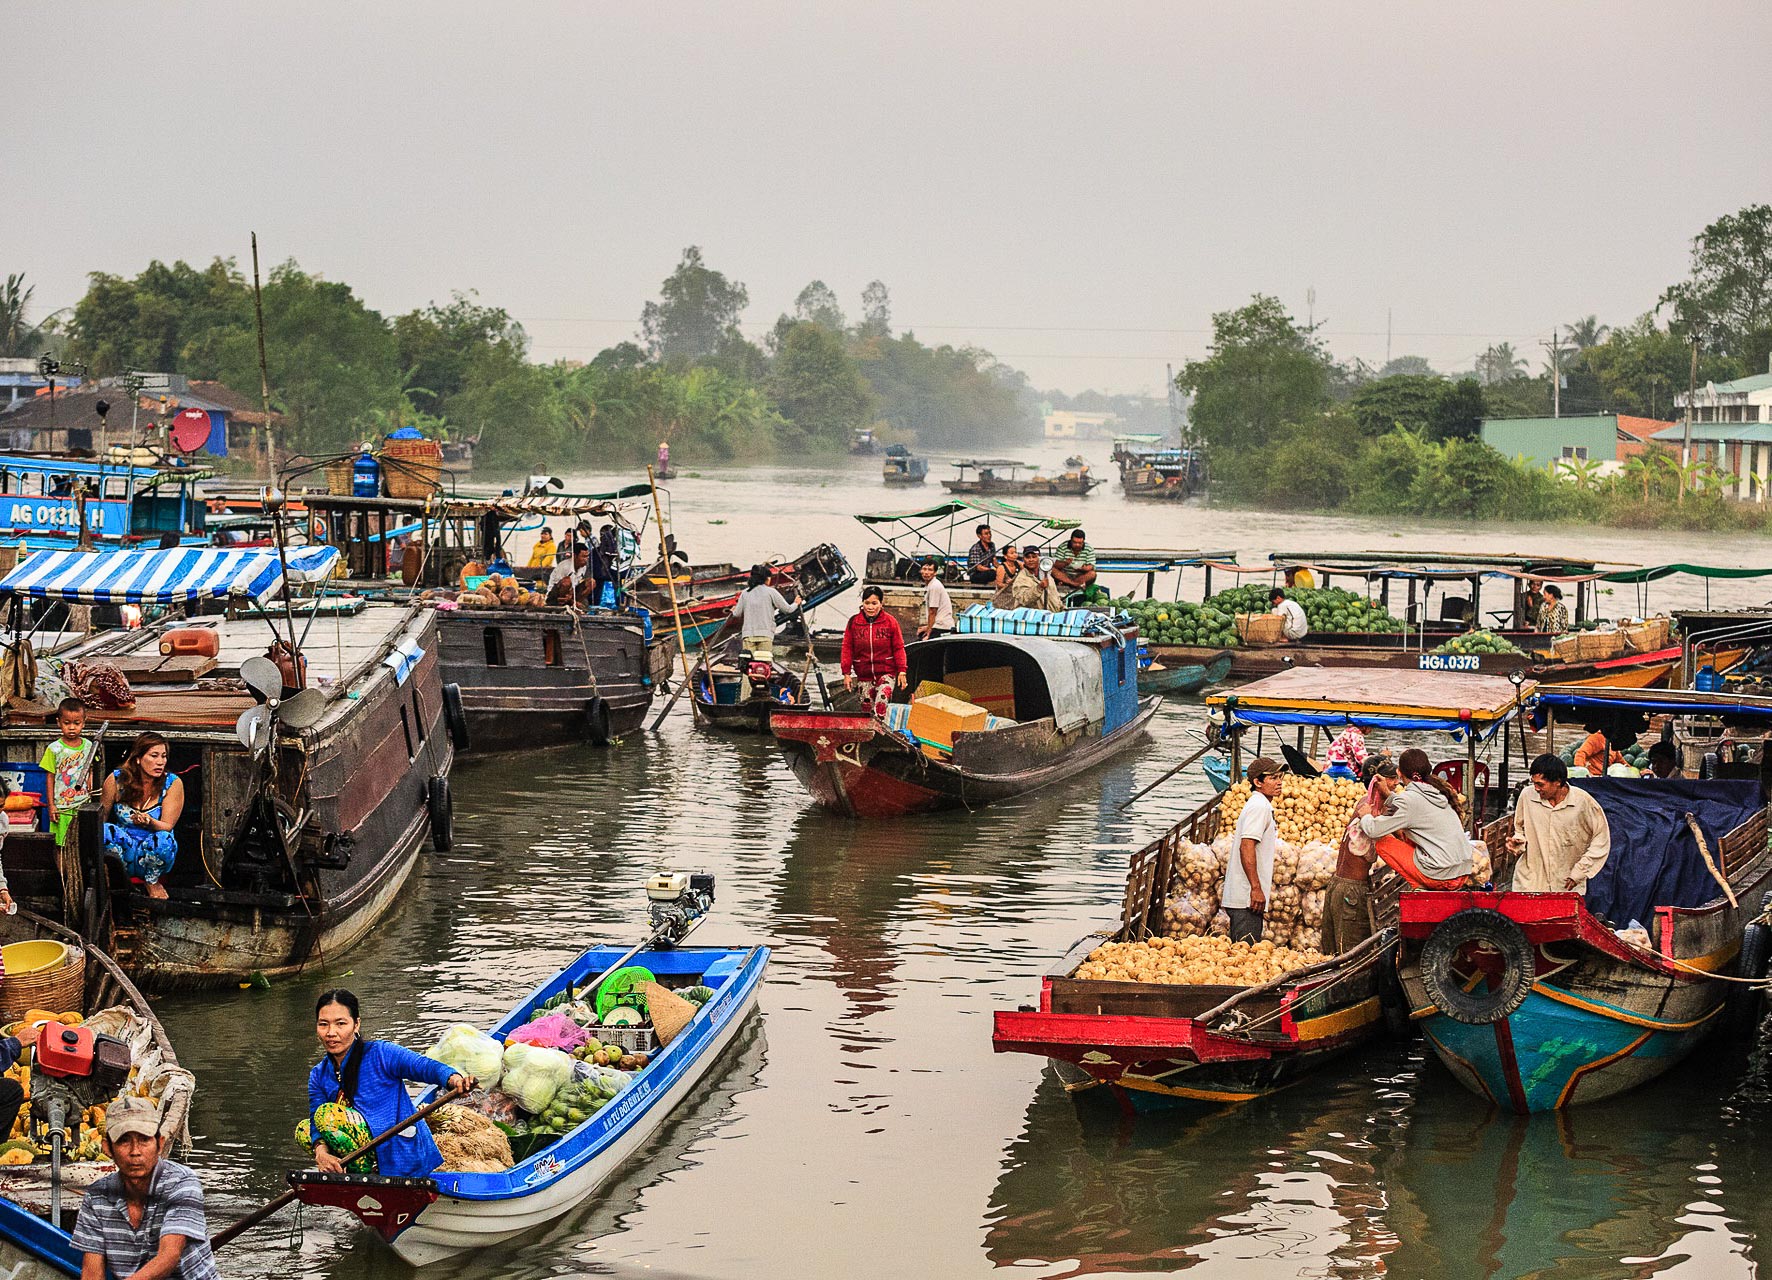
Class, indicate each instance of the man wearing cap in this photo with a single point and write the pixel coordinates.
(145, 1221)
(1250, 878)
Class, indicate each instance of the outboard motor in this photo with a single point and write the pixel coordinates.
(74, 1068)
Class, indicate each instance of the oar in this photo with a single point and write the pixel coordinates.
(1127, 804)
(257, 1216)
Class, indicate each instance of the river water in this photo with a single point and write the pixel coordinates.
(862, 1126)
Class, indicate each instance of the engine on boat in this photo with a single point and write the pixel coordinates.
(676, 901)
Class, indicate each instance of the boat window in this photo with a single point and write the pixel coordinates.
(116, 487)
(406, 728)
(495, 647)
(550, 647)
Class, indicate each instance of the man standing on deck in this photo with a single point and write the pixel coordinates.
(1250, 877)
(938, 606)
(1560, 833)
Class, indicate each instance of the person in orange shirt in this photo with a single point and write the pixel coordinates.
(1596, 755)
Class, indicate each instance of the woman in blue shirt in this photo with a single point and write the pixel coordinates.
(371, 1075)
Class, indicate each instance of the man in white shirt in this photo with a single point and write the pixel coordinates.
(1560, 834)
(1292, 618)
(938, 606)
(570, 581)
(1250, 877)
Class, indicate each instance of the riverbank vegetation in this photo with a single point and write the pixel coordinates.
(341, 372)
(1288, 427)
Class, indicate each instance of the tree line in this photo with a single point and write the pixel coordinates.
(341, 372)
(1289, 426)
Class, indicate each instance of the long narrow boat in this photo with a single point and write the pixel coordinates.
(286, 855)
(430, 1220)
(1075, 483)
(817, 575)
(30, 1244)
(1156, 1045)
(1533, 1001)
(1187, 677)
(1066, 704)
(715, 696)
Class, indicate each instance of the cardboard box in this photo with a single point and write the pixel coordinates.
(934, 721)
(930, 688)
(992, 688)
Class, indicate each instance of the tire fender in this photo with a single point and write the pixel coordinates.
(455, 716)
(597, 722)
(1747, 1004)
(1506, 992)
(440, 806)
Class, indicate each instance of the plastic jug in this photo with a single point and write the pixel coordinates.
(1707, 680)
(366, 477)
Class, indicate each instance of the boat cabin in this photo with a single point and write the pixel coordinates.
(45, 498)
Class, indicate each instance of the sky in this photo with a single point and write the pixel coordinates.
(1076, 188)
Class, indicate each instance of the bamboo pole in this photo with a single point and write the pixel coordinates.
(670, 576)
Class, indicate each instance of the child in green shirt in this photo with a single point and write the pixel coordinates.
(68, 761)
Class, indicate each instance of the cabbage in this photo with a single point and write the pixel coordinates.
(472, 1052)
(533, 1075)
(1623, 771)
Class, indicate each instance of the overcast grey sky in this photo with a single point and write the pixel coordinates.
(1076, 187)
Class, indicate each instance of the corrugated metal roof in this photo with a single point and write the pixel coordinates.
(1712, 432)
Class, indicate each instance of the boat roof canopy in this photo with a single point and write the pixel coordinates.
(1059, 678)
(1655, 573)
(989, 462)
(54, 465)
(1376, 698)
(1432, 565)
(987, 507)
(173, 576)
(1681, 702)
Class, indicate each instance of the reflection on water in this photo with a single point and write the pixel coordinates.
(863, 1127)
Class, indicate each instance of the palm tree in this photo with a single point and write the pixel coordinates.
(1587, 332)
(1583, 472)
(1499, 363)
(17, 336)
(1644, 468)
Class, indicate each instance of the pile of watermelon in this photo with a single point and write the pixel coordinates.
(1175, 622)
(1479, 643)
(1327, 608)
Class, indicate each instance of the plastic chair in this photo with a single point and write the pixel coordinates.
(1453, 772)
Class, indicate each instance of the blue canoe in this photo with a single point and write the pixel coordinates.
(428, 1220)
(1190, 677)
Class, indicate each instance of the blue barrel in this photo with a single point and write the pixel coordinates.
(366, 477)
(1707, 680)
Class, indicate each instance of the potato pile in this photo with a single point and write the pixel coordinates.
(501, 591)
(1305, 809)
(1194, 962)
(1196, 881)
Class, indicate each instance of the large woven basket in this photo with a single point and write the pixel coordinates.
(338, 477)
(411, 468)
(1260, 628)
(58, 990)
(1647, 636)
(1597, 646)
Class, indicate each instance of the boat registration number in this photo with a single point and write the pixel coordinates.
(1448, 662)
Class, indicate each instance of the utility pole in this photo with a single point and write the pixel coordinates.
(1556, 373)
(1691, 395)
(1387, 335)
(1310, 307)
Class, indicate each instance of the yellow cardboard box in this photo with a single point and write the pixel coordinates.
(934, 721)
(992, 688)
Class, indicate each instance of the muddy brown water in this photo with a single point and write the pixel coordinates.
(861, 1126)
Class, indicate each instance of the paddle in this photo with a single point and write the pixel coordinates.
(258, 1215)
(1127, 804)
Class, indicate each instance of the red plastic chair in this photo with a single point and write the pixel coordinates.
(1453, 772)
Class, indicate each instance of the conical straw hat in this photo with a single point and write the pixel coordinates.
(670, 1011)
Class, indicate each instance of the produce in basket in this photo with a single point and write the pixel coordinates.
(1208, 961)
(533, 1075)
(469, 1141)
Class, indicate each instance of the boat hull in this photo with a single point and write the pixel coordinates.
(1251, 662)
(852, 765)
(525, 675)
(1187, 678)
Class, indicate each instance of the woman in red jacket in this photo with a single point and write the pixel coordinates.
(873, 652)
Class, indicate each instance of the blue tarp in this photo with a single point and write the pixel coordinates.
(1341, 719)
(170, 576)
(1654, 860)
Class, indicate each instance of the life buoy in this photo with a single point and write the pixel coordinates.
(1509, 975)
(441, 809)
(597, 722)
(317, 527)
(455, 716)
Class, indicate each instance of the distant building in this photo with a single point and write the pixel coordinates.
(19, 379)
(71, 422)
(1742, 400)
(1732, 430)
(1605, 438)
(1069, 424)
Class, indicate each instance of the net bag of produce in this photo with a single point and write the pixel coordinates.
(669, 1011)
(1188, 914)
(533, 1075)
(470, 1051)
(551, 1031)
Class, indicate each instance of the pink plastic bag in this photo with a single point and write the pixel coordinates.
(555, 1031)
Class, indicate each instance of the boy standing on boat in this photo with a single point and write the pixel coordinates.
(938, 606)
(1250, 877)
(1560, 833)
(68, 762)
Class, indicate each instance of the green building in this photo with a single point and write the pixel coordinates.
(1544, 442)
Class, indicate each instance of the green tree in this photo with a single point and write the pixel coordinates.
(697, 311)
(817, 304)
(1499, 363)
(1401, 400)
(439, 346)
(1414, 366)
(1458, 411)
(1728, 295)
(1587, 332)
(18, 336)
(1263, 372)
(172, 319)
(816, 387)
(944, 397)
(1640, 367)
(876, 311)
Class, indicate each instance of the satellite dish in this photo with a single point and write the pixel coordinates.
(253, 728)
(189, 430)
(302, 710)
(262, 677)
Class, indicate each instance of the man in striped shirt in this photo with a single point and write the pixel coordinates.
(146, 1219)
(1073, 568)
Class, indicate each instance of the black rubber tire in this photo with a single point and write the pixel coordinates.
(597, 722)
(1748, 1004)
(441, 807)
(455, 716)
(1519, 966)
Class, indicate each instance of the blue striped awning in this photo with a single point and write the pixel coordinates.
(164, 576)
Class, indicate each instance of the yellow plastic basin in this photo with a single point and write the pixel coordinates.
(34, 956)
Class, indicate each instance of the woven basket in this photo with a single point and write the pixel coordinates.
(1597, 646)
(1567, 648)
(1260, 628)
(1647, 636)
(338, 477)
(58, 990)
(411, 468)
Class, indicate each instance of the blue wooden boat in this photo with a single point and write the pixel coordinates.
(428, 1220)
(45, 497)
(1186, 677)
(31, 1249)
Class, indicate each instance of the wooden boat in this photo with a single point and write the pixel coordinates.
(903, 468)
(1074, 701)
(1154, 1044)
(715, 696)
(1188, 677)
(1075, 483)
(817, 575)
(431, 1220)
(1169, 475)
(286, 855)
(47, 500)
(30, 1243)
